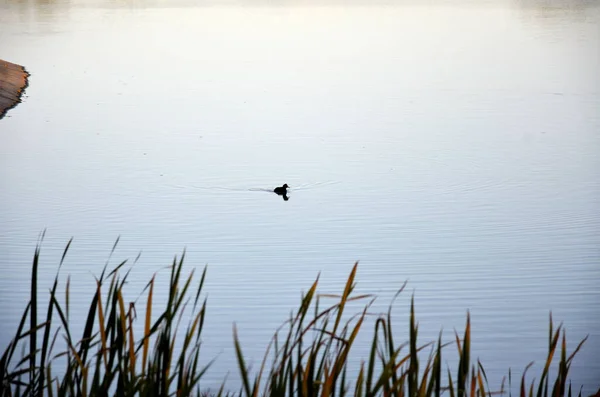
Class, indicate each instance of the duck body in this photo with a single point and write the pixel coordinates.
(281, 190)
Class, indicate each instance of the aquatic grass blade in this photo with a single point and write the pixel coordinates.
(241, 363)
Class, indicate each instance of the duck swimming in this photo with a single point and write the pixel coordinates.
(281, 190)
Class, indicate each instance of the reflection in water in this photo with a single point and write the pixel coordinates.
(575, 10)
(56, 10)
(44, 15)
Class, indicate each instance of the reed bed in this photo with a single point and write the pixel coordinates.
(125, 354)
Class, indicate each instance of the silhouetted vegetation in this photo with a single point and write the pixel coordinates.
(308, 355)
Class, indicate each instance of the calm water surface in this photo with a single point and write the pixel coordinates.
(455, 145)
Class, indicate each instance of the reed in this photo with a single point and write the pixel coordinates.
(108, 358)
(309, 354)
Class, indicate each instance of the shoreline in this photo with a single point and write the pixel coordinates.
(14, 79)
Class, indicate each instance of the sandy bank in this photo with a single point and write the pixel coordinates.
(13, 80)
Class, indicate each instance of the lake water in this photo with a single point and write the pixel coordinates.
(454, 145)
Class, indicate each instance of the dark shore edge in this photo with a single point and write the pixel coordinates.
(14, 80)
